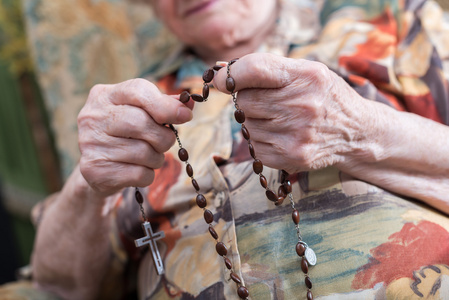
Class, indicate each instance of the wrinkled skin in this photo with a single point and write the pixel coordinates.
(300, 115)
(121, 134)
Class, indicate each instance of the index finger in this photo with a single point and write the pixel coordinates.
(260, 70)
(142, 93)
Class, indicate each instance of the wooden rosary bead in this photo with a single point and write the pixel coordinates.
(243, 292)
(205, 91)
(139, 197)
(304, 265)
(208, 75)
(257, 166)
(197, 98)
(183, 154)
(252, 152)
(235, 278)
(184, 97)
(288, 186)
(228, 263)
(271, 195)
(213, 233)
(230, 84)
(295, 216)
(239, 116)
(284, 176)
(308, 282)
(189, 170)
(309, 295)
(279, 201)
(201, 201)
(281, 191)
(195, 185)
(221, 249)
(300, 249)
(208, 216)
(263, 181)
(245, 132)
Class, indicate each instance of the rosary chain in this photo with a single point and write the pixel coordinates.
(284, 190)
(209, 218)
(139, 200)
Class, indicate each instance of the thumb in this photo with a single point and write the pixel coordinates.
(142, 93)
(260, 70)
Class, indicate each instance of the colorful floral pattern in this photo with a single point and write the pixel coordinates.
(370, 244)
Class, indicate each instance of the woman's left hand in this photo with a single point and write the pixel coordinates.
(300, 114)
(303, 116)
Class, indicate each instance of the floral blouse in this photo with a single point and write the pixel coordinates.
(370, 243)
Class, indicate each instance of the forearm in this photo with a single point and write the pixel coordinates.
(403, 153)
(72, 251)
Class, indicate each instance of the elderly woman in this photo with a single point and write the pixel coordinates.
(348, 98)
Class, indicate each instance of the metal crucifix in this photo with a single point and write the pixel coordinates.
(150, 238)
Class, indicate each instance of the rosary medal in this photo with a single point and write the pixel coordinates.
(310, 256)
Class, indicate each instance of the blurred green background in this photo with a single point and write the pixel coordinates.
(28, 165)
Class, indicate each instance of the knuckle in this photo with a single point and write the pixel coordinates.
(262, 65)
(138, 81)
(133, 92)
(88, 145)
(304, 156)
(129, 89)
(95, 91)
(84, 119)
(83, 114)
(137, 87)
(86, 134)
(258, 64)
(313, 111)
(321, 74)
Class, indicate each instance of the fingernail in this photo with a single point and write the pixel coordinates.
(221, 63)
(184, 114)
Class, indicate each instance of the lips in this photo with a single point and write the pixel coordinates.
(196, 8)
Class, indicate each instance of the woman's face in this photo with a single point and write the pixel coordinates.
(216, 24)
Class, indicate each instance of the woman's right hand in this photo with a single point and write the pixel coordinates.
(122, 138)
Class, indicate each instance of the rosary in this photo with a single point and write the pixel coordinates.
(306, 253)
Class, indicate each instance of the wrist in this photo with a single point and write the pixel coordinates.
(373, 139)
(78, 190)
